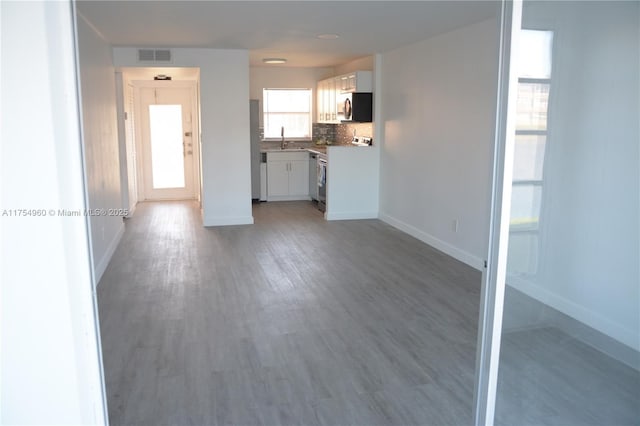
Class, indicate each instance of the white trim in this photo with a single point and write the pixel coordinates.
(455, 252)
(101, 266)
(132, 211)
(351, 215)
(288, 198)
(580, 313)
(494, 276)
(228, 220)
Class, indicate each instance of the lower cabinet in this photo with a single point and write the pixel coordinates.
(287, 176)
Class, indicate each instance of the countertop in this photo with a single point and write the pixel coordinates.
(318, 149)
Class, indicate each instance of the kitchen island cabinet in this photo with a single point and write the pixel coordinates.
(352, 182)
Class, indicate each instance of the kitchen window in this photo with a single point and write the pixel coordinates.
(289, 109)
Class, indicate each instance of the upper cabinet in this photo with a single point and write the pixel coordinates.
(327, 100)
(358, 81)
(330, 105)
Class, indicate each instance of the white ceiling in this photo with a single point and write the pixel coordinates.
(286, 29)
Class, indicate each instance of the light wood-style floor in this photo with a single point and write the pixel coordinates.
(292, 320)
(547, 377)
(295, 320)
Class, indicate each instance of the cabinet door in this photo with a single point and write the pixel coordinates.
(344, 83)
(277, 178)
(362, 81)
(331, 99)
(319, 103)
(299, 177)
(351, 85)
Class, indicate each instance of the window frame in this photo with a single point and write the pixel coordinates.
(265, 113)
(533, 228)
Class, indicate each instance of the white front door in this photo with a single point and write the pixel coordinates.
(167, 143)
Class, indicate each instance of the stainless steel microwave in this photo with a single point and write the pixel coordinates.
(356, 107)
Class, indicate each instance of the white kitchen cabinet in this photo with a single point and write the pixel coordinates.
(321, 102)
(329, 91)
(332, 94)
(287, 176)
(357, 81)
(277, 179)
(327, 94)
(299, 178)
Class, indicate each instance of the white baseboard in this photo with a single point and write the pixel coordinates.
(351, 215)
(588, 318)
(455, 252)
(101, 265)
(228, 220)
(288, 198)
(132, 210)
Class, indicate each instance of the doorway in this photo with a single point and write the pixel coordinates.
(168, 159)
(167, 133)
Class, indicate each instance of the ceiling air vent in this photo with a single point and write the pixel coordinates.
(163, 55)
(154, 55)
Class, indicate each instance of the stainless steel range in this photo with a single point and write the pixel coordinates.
(361, 141)
(322, 182)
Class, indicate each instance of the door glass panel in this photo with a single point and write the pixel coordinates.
(570, 346)
(167, 157)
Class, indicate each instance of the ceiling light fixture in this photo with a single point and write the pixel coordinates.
(274, 60)
(328, 36)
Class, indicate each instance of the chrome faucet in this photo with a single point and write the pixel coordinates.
(283, 144)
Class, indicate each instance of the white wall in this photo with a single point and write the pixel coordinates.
(50, 364)
(285, 78)
(437, 122)
(224, 118)
(589, 251)
(362, 64)
(101, 146)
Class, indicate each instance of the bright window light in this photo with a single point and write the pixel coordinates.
(288, 108)
(167, 157)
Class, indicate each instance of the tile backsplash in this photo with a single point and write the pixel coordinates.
(323, 131)
(341, 133)
(344, 131)
(337, 133)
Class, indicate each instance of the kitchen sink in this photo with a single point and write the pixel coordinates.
(290, 148)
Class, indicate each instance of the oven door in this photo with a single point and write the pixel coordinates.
(322, 184)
